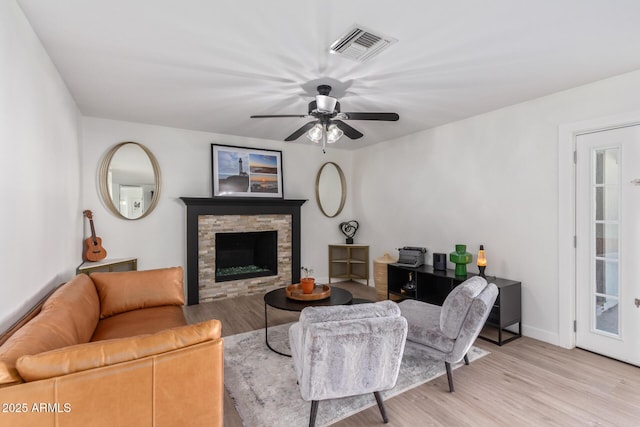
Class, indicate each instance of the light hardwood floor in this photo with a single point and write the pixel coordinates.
(523, 383)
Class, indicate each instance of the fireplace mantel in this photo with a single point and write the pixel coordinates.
(252, 203)
(197, 206)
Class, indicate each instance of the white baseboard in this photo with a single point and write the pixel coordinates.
(541, 335)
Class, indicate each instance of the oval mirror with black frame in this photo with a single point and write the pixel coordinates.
(331, 189)
(130, 180)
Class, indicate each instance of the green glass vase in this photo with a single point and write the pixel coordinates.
(460, 258)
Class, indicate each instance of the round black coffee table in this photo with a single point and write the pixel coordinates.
(278, 299)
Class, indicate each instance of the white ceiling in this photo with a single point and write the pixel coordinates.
(208, 65)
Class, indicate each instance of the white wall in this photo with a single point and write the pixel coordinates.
(40, 214)
(491, 179)
(159, 240)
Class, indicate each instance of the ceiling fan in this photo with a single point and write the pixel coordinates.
(328, 125)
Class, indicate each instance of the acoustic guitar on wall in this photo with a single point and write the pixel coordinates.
(95, 251)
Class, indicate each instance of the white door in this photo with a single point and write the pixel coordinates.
(131, 201)
(608, 243)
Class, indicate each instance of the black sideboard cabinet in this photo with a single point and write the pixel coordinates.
(433, 286)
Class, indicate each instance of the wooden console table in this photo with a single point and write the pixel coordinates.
(107, 265)
(433, 286)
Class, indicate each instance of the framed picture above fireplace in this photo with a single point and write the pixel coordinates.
(246, 172)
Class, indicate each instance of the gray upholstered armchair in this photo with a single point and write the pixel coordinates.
(347, 350)
(446, 333)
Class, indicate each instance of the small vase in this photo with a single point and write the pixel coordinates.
(307, 284)
(460, 258)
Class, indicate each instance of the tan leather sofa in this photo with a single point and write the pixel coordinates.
(113, 349)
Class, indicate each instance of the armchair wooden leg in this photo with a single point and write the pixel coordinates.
(314, 412)
(466, 359)
(383, 412)
(449, 376)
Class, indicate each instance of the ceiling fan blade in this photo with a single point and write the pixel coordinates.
(348, 130)
(297, 134)
(279, 115)
(390, 117)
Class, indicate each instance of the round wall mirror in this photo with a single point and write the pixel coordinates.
(331, 189)
(130, 180)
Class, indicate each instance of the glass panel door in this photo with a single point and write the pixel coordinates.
(605, 226)
(608, 242)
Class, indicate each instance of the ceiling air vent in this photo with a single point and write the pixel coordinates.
(360, 44)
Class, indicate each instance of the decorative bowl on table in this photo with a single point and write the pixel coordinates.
(319, 292)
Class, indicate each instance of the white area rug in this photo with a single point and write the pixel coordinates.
(263, 383)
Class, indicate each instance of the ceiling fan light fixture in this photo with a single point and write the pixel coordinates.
(333, 134)
(315, 133)
(325, 104)
(329, 126)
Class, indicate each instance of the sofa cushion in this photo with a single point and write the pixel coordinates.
(138, 322)
(92, 355)
(131, 290)
(80, 299)
(68, 317)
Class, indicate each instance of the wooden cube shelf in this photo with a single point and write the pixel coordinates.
(349, 262)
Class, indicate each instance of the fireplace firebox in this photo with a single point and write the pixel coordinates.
(246, 254)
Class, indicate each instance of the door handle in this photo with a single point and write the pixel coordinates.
(637, 302)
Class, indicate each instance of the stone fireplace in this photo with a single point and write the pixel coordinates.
(241, 246)
(246, 242)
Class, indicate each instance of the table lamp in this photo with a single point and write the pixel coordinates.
(482, 261)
